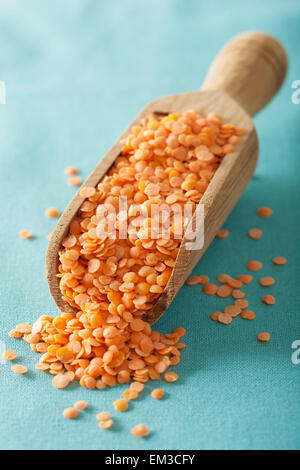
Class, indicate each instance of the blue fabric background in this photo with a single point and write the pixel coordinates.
(76, 72)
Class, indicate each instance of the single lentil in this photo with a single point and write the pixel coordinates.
(140, 430)
(225, 318)
(157, 393)
(71, 170)
(103, 416)
(267, 281)
(121, 404)
(80, 405)
(268, 299)
(255, 233)
(254, 265)
(222, 234)
(263, 337)
(107, 424)
(52, 212)
(209, 289)
(70, 413)
(25, 234)
(19, 369)
(171, 376)
(248, 315)
(264, 211)
(74, 181)
(279, 260)
(9, 355)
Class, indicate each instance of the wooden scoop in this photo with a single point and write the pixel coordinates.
(243, 78)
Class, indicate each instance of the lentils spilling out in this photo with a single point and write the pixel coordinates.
(114, 281)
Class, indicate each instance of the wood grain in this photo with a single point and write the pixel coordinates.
(232, 175)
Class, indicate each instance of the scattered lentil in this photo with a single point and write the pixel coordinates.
(74, 181)
(70, 413)
(232, 310)
(9, 355)
(171, 376)
(19, 369)
(60, 381)
(225, 318)
(279, 260)
(263, 336)
(103, 416)
(248, 315)
(267, 281)
(71, 170)
(222, 234)
(140, 430)
(241, 303)
(268, 299)
(264, 211)
(238, 294)
(80, 405)
(209, 289)
(157, 393)
(193, 280)
(254, 265)
(255, 233)
(224, 291)
(25, 234)
(107, 424)
(121, 404)
(215, 316)
(51, 212)
(245, 278)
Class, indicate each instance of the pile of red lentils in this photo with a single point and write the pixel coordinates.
(113, 282)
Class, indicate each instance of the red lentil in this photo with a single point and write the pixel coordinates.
(107, 424)
(25, 234)
(52, 212)
(254, 265)
(268, 299)
(74, 181)
(70, 413)
(157, 393)
(224, 318)
(224, 291)
(140, 430)
(222, 234)
(80, 405)
(264, 211)
(279, 260)
(255, 233)
(71, 170)
(19, 369)
(248, 315)
(267, 281)
(171, 377)
(209, 289)
(9, 355)
(245, 278)
(263, 336)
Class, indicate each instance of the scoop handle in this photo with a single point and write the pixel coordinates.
(250, 68)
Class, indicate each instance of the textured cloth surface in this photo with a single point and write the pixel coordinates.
(76, 72)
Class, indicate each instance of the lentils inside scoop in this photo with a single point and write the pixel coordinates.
(114, 281)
